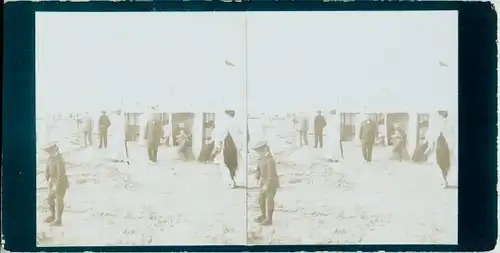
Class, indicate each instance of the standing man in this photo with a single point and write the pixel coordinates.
(153, 133)
(87, 128)
(303, 129)
(104, 124)
(319, 125)
(367, 135)
(269, 183)
(55, 175)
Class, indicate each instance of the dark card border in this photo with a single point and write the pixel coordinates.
(477, 117)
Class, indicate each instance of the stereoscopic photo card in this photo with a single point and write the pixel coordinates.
(252, 126)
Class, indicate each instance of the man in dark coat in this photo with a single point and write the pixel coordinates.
(269, 183)
(104, 124)
(319, 125)
(230, 152)
(367, 135)
(153, 134)
(55, 175)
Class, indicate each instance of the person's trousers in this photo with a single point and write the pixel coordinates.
(303, 138)
(103, 138)
(318, 139)
(55, 200)
(266, 202)
(366, 149)
(153, 151)
(87, 136)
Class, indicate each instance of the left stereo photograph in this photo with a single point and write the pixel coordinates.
(134, 112)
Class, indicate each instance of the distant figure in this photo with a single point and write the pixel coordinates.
(167, 131)
(269, 183)
(334, 149)
(421, 151)
(104, 124)
(266, 123)
(55, 175)
(208, 148)
(303, 129)
(184, 140)
(153, 133)
(399, 140)
(295, 121)
(78, 120)
(319, 125)
(87, 128)
(118, 138)
(367, 135)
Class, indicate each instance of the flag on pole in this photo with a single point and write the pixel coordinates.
(442, 64)
(229, 64)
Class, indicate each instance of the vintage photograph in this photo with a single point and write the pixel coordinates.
(353, 118)
(233, 128)
(141, 136)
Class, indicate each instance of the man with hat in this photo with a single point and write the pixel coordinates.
(367, 134)
(104, 124)
(153, 132)
(269, 182)
(55, 175)
(319, 125)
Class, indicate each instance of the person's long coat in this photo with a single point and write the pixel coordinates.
(333, 148)
(153, 132)
(447, 128)
(232, 126)
(118, 137)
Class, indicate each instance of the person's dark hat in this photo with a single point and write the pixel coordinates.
(259, 145)
(103, 111)
(50, 145)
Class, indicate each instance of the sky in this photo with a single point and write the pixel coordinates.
(328, 60)
(91, 61)
(288, 60)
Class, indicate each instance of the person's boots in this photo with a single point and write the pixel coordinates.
(269, 220)
(52, 215)
(262, 216)
(58, 221)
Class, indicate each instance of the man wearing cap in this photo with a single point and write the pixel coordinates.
(319, 125)
(104, 124)
(367, 135)
(153, 133)
(269, 183)
(55, 175)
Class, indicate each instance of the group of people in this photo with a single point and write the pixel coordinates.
(437, 140)
(228, 139)
(330, 126)
(114, 126)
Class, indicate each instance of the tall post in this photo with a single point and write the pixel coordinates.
(245, 127)
(412, 132)
(197, 134)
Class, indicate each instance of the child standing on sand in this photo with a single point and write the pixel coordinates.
(55, 175)
(269, 183)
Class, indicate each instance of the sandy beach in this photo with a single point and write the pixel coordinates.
(319, 202)
(179, 203)
(170, 203)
